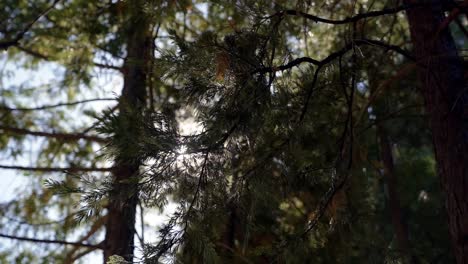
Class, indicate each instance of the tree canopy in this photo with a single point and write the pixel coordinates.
(257, 131)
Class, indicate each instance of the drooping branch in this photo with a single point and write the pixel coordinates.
(82, 254)
(8, 43)
(335, 55)
(107, 66)
(329, 59)
(386, 47)
(318, 214)
(56, 135)
(47, 241)
(32, 52)
(323, 205)
(348, 20)
(45, 57)
(165, 244)
(309, 94)
(56, 169)
(44, 107)
(72, 256)
(101, 119)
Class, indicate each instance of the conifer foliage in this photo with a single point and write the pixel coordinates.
(280, 131)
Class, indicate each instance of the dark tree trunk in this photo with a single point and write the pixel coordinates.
(446, 95)
(399, 225)
(400, 228)
(123, 199)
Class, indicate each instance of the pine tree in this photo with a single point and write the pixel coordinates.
(310, 141)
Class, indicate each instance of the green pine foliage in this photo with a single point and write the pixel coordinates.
(286, 163)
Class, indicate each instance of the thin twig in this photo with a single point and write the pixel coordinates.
(44, 107)
(48, 58)
(70, 258)
(348, 20)
(56, 135)
(47, 241)
(335, 55)
(56, 169)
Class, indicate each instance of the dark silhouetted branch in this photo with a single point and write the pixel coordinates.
(56, 169)
(348, 20)
(309, 93)
(72, 256)
(335, 55)
(107, 66)
(82, 254)
(56, 135)
(46, 241)
(44, 107)
(47, 58)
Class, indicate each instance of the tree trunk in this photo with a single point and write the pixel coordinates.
(123, 199)
(400, 229)
(446, 95)
(399, 226)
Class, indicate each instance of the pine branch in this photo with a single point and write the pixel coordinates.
(56, 169)
(386, 46)
(46, 241)
(164, 247)
(107, 66)
(56, 135)
(335, 55)
(348, 20)
(329, 59)
(318, 214)
(309, 94)
(44, 107)
(47, 58)
(101, 119)
(324, 203)
(6, 44)
(82, 254)
(71, 257)
(32, 52)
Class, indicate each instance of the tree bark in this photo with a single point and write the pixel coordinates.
(446, 96)
(123, 198)
(399, 226)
